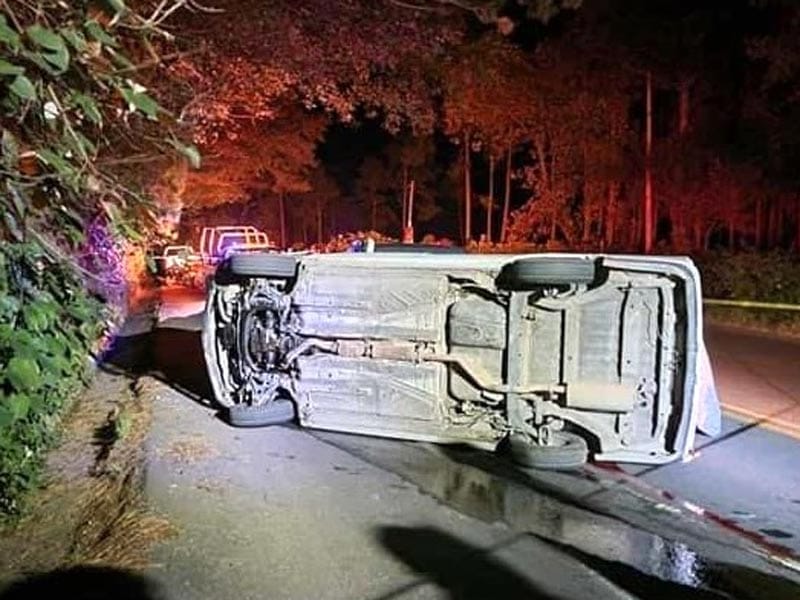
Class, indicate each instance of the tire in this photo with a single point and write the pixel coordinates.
(272, 413)
(569, 451)
(273, 266)
(396, 248)
(536, 272)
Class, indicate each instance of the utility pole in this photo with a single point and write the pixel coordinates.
(408, 226)
(467, 191)
(490, 202)
(648, 184)
(282, 210)
(507, 198)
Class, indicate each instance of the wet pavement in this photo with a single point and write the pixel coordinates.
(289, 513)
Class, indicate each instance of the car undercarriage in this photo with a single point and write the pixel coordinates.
(554, 356)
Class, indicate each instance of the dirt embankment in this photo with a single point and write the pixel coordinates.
(90, 510)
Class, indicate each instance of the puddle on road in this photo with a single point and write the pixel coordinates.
(468, 482)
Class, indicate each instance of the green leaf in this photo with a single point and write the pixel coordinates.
(120, 60)
(58, 58)
(117, 6)
(6, 68)
(89, 107)
(7, 35)
(97, 33)
(44, 37)
(6, 417)
(10, 147)
(190, 151)
(18, 405)
(9, 306)
(37, 58)
(22, 87)
(12, 226)
(141, 101)
(78, 311)
(37, 316)
(55, 160)
(82, 144)
(23, 374)
(75, 38)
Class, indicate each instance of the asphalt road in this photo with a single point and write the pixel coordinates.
(290, 513)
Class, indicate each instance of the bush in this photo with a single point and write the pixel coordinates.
(48, 324)
(767, 277)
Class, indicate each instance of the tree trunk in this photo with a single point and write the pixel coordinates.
(759, 240)
(282, 212)
(697, 229)
(797, 223)
(319, 221)
(770, 237)
(467, 190)
(586, 228)
(683, 106)
(374, 213)
(506, 198)
(731, 232)
(707, 237)
(405, 198)
(490, 203)
(610, 217)
(648, 185)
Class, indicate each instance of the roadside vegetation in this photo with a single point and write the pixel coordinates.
(74, 119)
(771, 277)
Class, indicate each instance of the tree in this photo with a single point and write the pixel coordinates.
(578, 134)
(275, 156)
(772, 110)
(74, 117)
(312, 209)
(384, 179)
(486, 104)
(334, 56)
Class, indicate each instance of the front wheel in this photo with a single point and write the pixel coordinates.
(565, 451)
(533, 273)
(275, 412)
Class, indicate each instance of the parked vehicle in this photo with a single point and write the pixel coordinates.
(175, 257)
(216, 243)
(553, 356)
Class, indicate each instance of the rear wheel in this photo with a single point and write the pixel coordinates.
(271, 266)
(272, 413)
(546, 271)
(565, 451)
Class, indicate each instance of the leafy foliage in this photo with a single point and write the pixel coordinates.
(68, 104)
(48, 324)
(768, 277)
(276, 156)
(72, 111)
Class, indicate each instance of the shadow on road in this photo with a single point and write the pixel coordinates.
(173, 356)
(464, 571)
(84, 583)
(715, 580)
(467, 572)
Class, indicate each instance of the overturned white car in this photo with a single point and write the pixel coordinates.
(557, 356)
